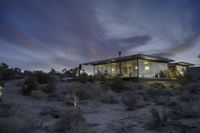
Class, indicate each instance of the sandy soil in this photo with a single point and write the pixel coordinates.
(105, 118)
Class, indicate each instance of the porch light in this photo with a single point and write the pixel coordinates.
(146, 62)
(136, 67)
(146, 68)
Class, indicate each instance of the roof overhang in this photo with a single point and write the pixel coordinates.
(182, 64)
(131, 57)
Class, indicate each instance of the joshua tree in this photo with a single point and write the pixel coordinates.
(73, 99)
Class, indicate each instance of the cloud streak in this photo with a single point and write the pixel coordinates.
(64, 33)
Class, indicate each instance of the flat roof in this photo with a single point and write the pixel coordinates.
(130, 57)
(182, 63)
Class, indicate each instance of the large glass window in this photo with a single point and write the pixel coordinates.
(180, 70)
(151, 69)
(129, 68)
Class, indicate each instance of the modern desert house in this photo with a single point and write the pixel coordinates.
(139, 66)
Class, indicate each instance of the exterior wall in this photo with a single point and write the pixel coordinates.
(152, 69)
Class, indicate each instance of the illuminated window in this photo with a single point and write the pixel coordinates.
(146, 68)
(146, 62)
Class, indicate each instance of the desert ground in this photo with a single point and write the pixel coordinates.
(102, 107)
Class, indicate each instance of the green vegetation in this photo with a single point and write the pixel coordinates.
(157, 85)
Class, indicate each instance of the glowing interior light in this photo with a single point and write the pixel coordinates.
(146, 68)
(113, 69)
(136, 67)
(146, 62)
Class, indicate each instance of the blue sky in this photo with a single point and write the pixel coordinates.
(44, 34)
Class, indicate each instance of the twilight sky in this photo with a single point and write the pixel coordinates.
(41, 34)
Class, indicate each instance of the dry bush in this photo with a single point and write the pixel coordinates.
(188, 109)
(162, 100)
(72, 99)
(29, 84)
(159, 120)
(157, 85)
(191, 88)
(72, 122)
(84, 91)
(133, 86)
(54, 112)
(132, 101)
(187, 97)
(109, 97)
(50, 87)
(16, 125)
(38, 94)
(118, 85)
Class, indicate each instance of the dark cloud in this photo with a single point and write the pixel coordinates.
(198, 56)
(64, 33)
(131, 42)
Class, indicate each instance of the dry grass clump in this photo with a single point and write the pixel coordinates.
(132, 101)
(108, 97)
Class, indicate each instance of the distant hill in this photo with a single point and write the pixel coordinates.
(194, 70)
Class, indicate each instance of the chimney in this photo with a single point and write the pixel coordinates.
(120, 54)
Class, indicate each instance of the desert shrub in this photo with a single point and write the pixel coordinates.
(38, 94)
(30, 84)
(83, 77)
(51, 86)
(157, 85)
(54, 112)
(15, 125)
(108, 97)
(1, 83)
(133, 86)
(132, 101)
(191, 88)
(159, 120)
(72, 122)
(42, 77)
(188, 109)
(162, 100)
(186, 79)
(83, 91)
(186, 97)
(152, 94)
(117, 85)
